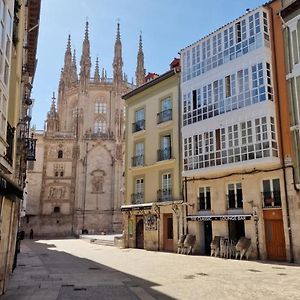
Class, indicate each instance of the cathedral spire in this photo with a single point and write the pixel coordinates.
(52, 117)
(97, 75)
(140, 70)
(85, 62)
(67, 70)
(74, 67)
(102, 75)
(118, 62)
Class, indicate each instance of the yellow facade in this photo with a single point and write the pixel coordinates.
(15, 87)
(153, 207)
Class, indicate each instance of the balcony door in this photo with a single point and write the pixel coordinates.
(165, 147)
(139, 191)
(166, 185)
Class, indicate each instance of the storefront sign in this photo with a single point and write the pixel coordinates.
(219, 218)
(133, 207)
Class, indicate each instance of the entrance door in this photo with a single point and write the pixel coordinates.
(275, 241)
(168, 232)
(207, 236)
(236, 230)
(140, 233)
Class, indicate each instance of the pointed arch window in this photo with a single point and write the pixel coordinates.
(100, 127)
(60, 154)
(100, 107)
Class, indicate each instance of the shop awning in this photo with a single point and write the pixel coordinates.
(141, 206)
(241, 217)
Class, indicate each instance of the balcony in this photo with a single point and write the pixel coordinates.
(164, 154)
(164, 195)
(163, 116)
(10, 142)
(234, 201)
(138, 126)
(137, 198)
(137, 160)
(271, 199)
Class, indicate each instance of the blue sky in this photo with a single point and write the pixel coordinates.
(167, 26)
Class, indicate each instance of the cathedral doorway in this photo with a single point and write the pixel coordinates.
(140, 233)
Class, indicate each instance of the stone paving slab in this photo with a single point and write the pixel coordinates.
(74, 269)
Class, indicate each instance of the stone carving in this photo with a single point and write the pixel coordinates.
(215, 246)
(119, 152)
(243, 247)
(180, 243)
(57, 192)
(189, 243)
(98, 181)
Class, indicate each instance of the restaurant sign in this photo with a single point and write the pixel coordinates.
(219, 218)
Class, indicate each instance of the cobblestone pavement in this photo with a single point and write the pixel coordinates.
(75, 269)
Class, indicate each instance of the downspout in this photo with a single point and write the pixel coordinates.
(281, 141)
(179, 156)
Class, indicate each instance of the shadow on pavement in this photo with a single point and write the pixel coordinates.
(46, 273)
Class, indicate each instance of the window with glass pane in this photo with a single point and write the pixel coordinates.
(138, 159)
(139, 121)
(165, 148)
(235, 195)
(100, 108)
(204, 202)
(100, 127)
(165, 113)
(138, 196)
(271, 193)
(166, 185)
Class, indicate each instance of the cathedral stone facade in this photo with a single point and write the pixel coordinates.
(77, 182)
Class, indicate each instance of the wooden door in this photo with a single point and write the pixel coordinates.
(140, 233)
(168, 232)
(275, 241)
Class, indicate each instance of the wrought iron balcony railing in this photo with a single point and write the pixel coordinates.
(163, 154)
(164, 116)
(10, 142)
(138, 126)
(164, 195)
(137, 198)
(137, 160)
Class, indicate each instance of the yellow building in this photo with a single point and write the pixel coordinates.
(19, 25)
(153, 214)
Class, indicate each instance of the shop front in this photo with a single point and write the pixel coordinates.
(206, 227)
(152, 226)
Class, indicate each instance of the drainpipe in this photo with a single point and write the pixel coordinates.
(281, 141)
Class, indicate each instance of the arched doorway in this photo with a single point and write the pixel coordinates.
(140, 233)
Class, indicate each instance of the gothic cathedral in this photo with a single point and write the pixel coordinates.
(77, 182)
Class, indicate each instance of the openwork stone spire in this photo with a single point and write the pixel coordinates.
(140, 70)
(97, 75)
(74, 67)
(52, 117)
(67, 70)
(85, 62)
(118, 62)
